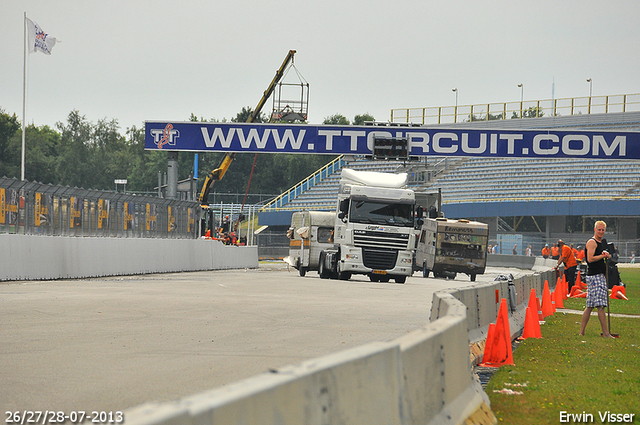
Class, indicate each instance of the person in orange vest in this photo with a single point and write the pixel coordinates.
(546, 252)
(555, 251)
(570, 263)
(580, 254)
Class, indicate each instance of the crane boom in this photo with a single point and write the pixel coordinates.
(224, 165)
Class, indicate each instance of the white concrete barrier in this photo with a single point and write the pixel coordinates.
(438, 383)
(357, 386)
(27, 257)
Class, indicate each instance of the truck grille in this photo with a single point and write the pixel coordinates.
(380, 240)
(379, 259)
(380, 249)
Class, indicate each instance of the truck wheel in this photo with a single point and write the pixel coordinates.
(321, 269)
(302, 271)
(401, 279)
(374, 278)
(344, 275)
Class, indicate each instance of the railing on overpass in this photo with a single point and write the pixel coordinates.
(305, 184)
(522, 109)
(538, 199)
(45, 209)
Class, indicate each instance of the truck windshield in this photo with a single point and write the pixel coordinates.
(381, 213)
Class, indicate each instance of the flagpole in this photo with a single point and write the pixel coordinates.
(24, 96)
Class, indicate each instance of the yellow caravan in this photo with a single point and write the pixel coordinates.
(446, 247)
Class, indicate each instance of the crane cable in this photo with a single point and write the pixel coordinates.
(302, 81)
(235, 228)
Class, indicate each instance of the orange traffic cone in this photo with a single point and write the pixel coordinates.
(618, 292)
(565, 289)
(531, 323)
(579, 282)
(558, 294)
(547, 306)
(575, 291)
(540, 315)
(498, 351)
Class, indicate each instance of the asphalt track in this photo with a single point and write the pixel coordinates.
(109, 344)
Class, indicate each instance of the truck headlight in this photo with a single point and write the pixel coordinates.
(352, 256)
(406, 261)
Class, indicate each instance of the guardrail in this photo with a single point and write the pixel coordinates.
(304, 185)
(44, 209)
(522, 109)
(538, 199)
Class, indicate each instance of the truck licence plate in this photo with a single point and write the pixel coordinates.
(379, 271)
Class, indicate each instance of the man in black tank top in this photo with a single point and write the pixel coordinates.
(597, 291)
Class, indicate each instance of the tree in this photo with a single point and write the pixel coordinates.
(336, 119)
(531, 112)
(9, 152)
(73, 167)
(244, 115)
(491, 117)
(361, 119)
(41, 156)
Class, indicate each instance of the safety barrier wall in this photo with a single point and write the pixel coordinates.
(424, 377)
(26, 257)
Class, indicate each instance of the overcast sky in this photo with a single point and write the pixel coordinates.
(137, 60)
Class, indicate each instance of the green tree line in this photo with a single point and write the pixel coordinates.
(92, 155)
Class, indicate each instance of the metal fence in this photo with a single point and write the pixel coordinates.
(45, 209)
(522, 109)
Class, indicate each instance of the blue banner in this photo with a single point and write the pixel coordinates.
(358, 140)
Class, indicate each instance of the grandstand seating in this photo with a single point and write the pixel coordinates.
(469, 180)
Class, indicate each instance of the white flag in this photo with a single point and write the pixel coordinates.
(38, 39)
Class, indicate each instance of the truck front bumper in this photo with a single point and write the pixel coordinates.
(352, 261)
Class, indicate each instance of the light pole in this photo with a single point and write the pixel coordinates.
(590, 81)
(521, 97)
(455, 111)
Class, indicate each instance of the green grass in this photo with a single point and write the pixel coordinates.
(564, 372)
(631, 278)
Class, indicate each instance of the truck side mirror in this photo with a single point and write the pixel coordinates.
(419, 214)
(343, 209)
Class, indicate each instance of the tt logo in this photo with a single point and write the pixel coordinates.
(167, 136)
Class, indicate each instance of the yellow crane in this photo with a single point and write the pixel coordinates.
(219, 172)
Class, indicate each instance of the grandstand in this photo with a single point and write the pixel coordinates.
(487, 189)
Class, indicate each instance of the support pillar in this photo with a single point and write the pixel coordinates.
(627, 228)
(172, 175)
(555, 224)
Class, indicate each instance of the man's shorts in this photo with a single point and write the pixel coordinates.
(597, 292)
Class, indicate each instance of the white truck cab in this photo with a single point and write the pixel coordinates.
(374, 228)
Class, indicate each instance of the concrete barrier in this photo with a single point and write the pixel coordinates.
(27, 257)
(438, 383)
(357, 386)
